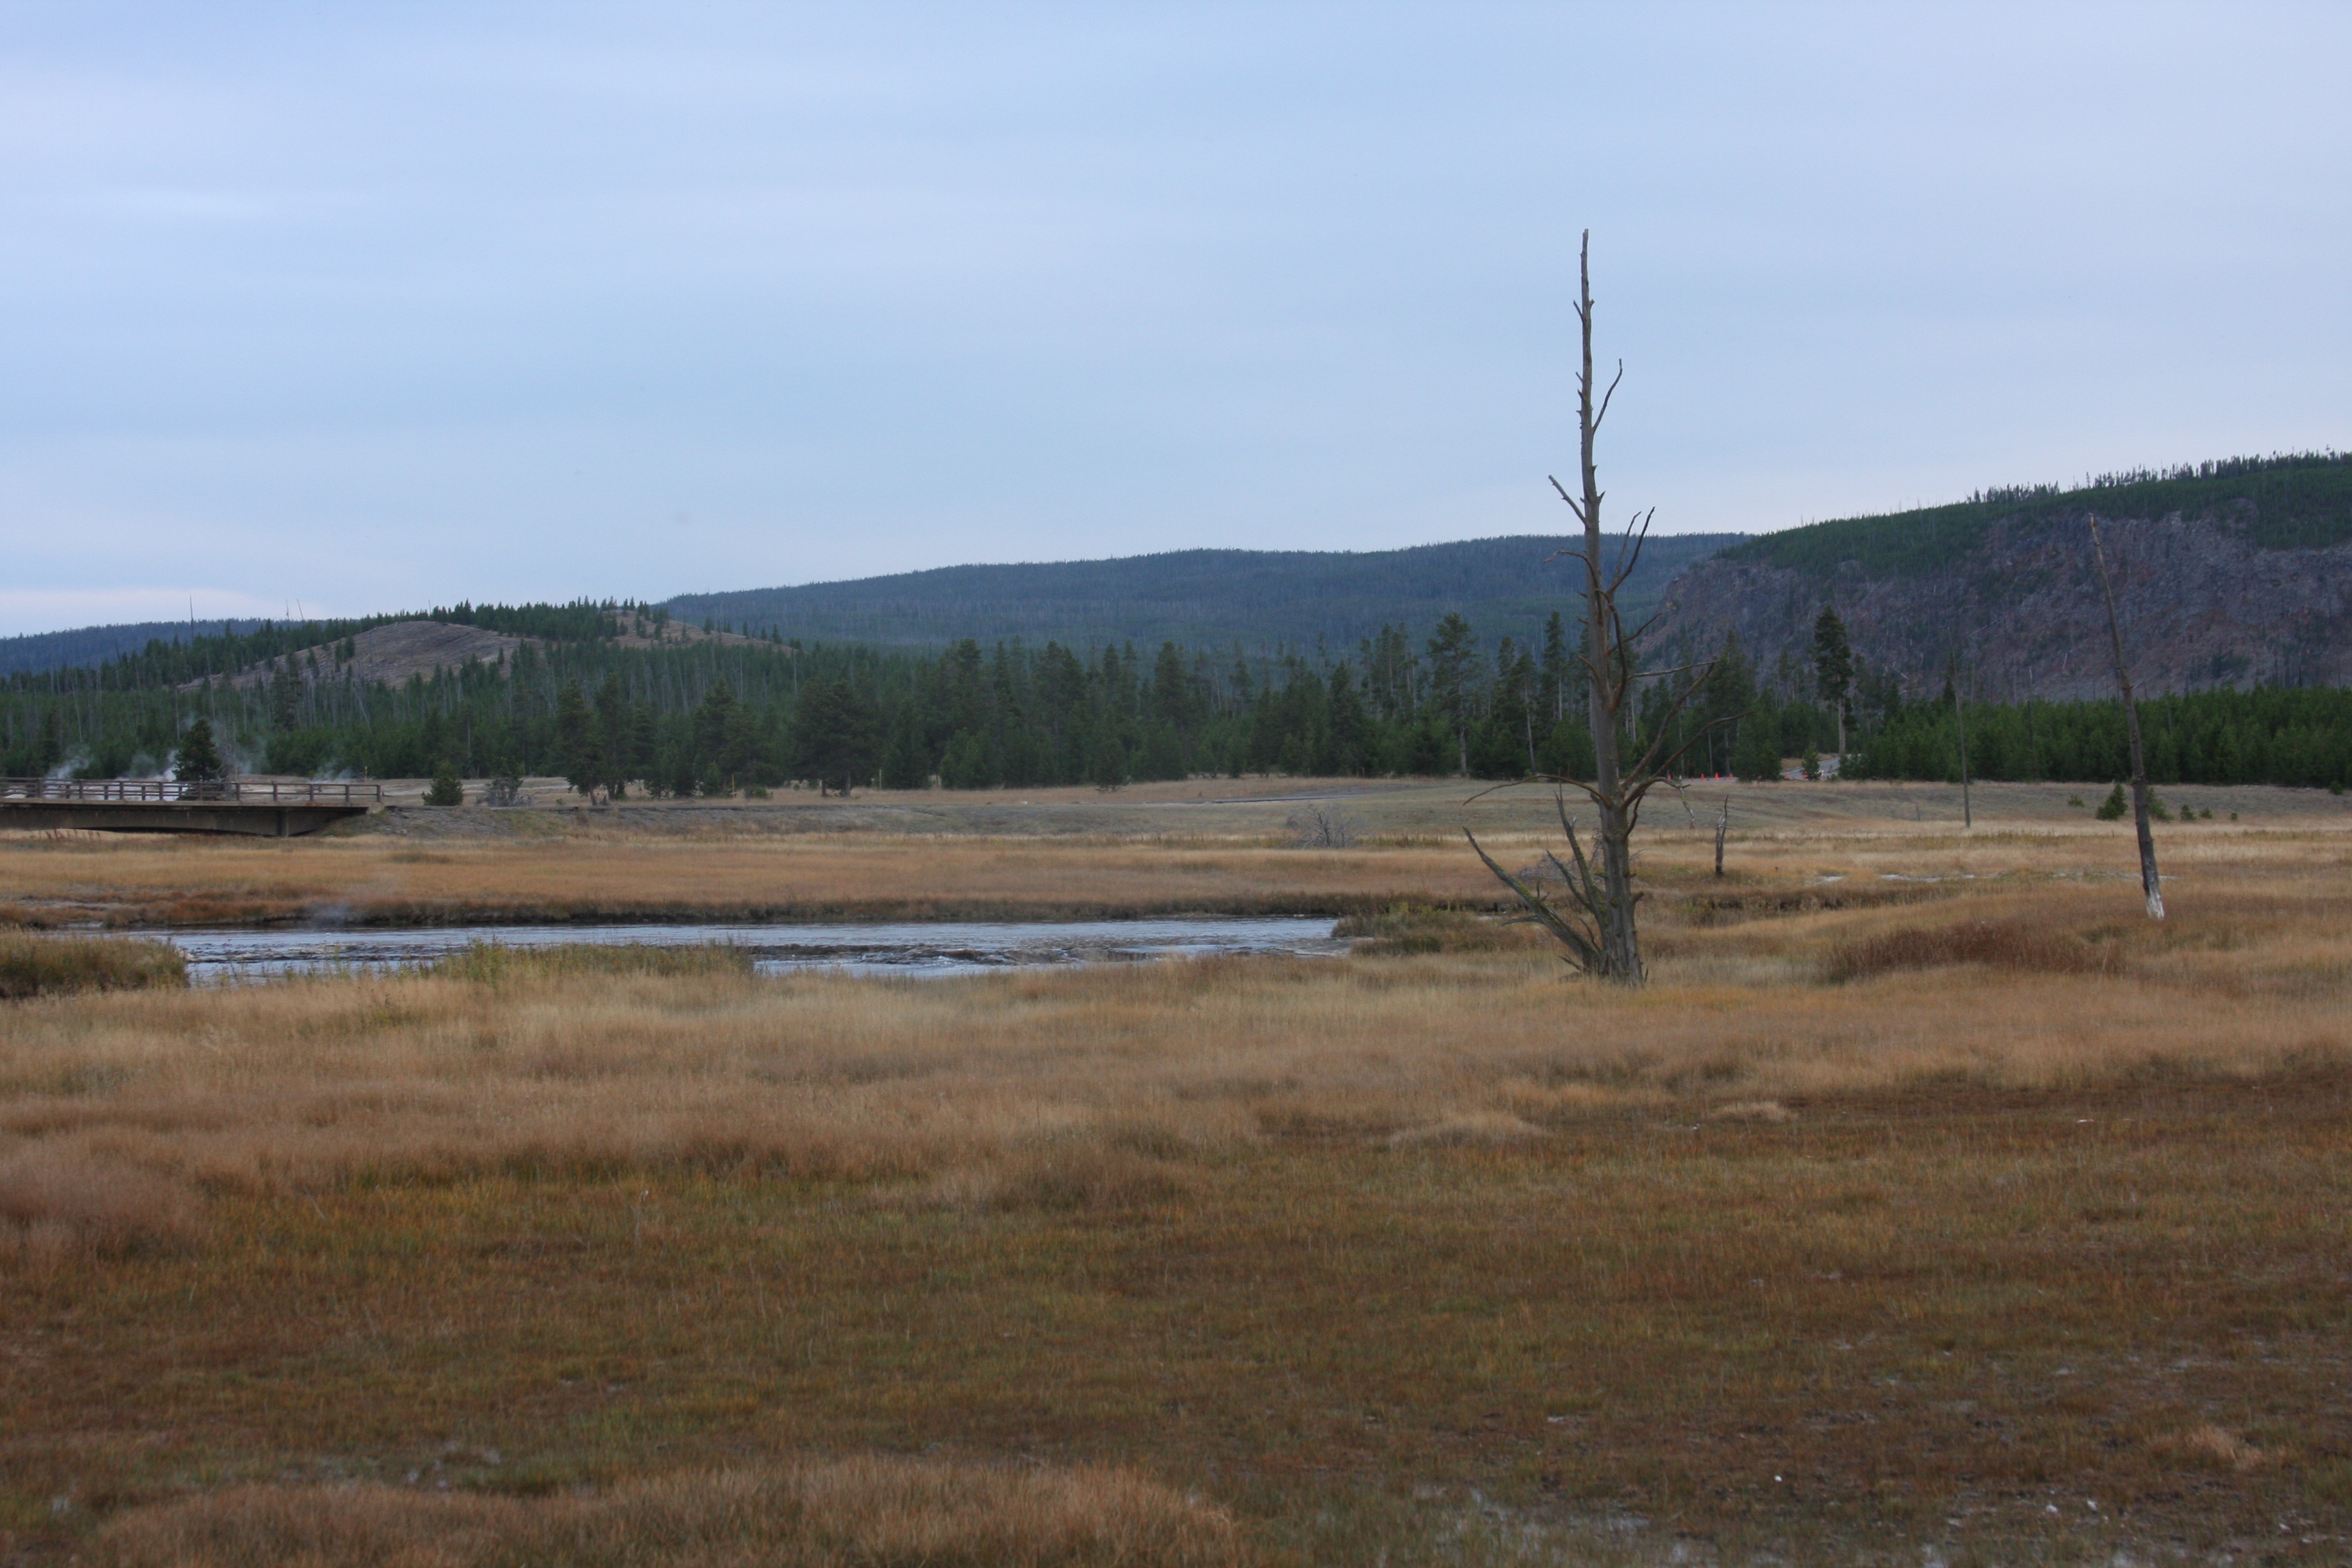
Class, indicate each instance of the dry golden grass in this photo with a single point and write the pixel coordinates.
(1153, 850)
(56, 1195)
(377, 880)
(1879, 1222)
(845, 1514)
(34, 965)
(570, 1064)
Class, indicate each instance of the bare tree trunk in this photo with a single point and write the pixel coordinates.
(2148, 881)
(1598, 925)
(1722, 826)
(1961, 710)
(1621, 945)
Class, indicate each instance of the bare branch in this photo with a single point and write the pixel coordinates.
(1637, 534)
(1605, 396)
(1584, 950)
(1573, 504)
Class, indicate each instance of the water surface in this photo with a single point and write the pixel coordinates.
(916, 948)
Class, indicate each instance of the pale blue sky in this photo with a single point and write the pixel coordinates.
(367, 306)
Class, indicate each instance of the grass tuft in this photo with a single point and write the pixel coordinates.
(2013, 945)
(862, 1512)
(1405, 929)
(57, 1199)
(1749, 1110)
(68, 965)
(1470, 1129)
(2211, 1448)
(1064, 1179)
(494, 964)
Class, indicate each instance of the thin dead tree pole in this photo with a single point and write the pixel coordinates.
(1960, 710)
(1722, 826)
(2148, 881)
(1619, 943)
(1601, 935)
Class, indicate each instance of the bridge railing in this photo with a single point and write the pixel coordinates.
(192, 792)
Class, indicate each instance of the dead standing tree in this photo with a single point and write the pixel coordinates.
(1598, 929)
(2148, 883)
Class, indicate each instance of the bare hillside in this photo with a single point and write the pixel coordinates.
(392, 653)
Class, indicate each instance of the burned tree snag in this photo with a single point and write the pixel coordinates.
(1599, 934)
(2148, 881)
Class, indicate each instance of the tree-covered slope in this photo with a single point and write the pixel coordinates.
(2301, 501)
(2229, 574)
(88, 646)
(1210, 598)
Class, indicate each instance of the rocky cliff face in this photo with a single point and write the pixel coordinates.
(2201, 604)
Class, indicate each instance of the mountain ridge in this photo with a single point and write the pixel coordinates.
(2227, 574)
(1201, 598)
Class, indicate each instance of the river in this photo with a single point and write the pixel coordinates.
(942, 948)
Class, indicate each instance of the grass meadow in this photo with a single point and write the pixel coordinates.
(1930, 1205)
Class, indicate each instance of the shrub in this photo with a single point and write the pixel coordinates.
(65, 965)
(2115, 805)
(1322, 826)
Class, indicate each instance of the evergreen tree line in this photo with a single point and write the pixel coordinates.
(714, 717)
(2274, 735)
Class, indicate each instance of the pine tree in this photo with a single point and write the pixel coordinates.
(904, 765)
(1453, 669)
(200, 759)
(1833, 666)
(576, 740)
(285, 698)
(835, 735)
(446, 789)
(1756, 754)
(1557, 680)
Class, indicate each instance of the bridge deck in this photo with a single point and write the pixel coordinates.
(262, 807)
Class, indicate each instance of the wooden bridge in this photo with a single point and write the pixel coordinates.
(263, 808)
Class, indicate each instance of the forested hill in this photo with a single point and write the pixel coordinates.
(2236, 573)
(88, 646)
(1201, 598)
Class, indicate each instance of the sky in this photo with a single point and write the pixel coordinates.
(347, 308)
